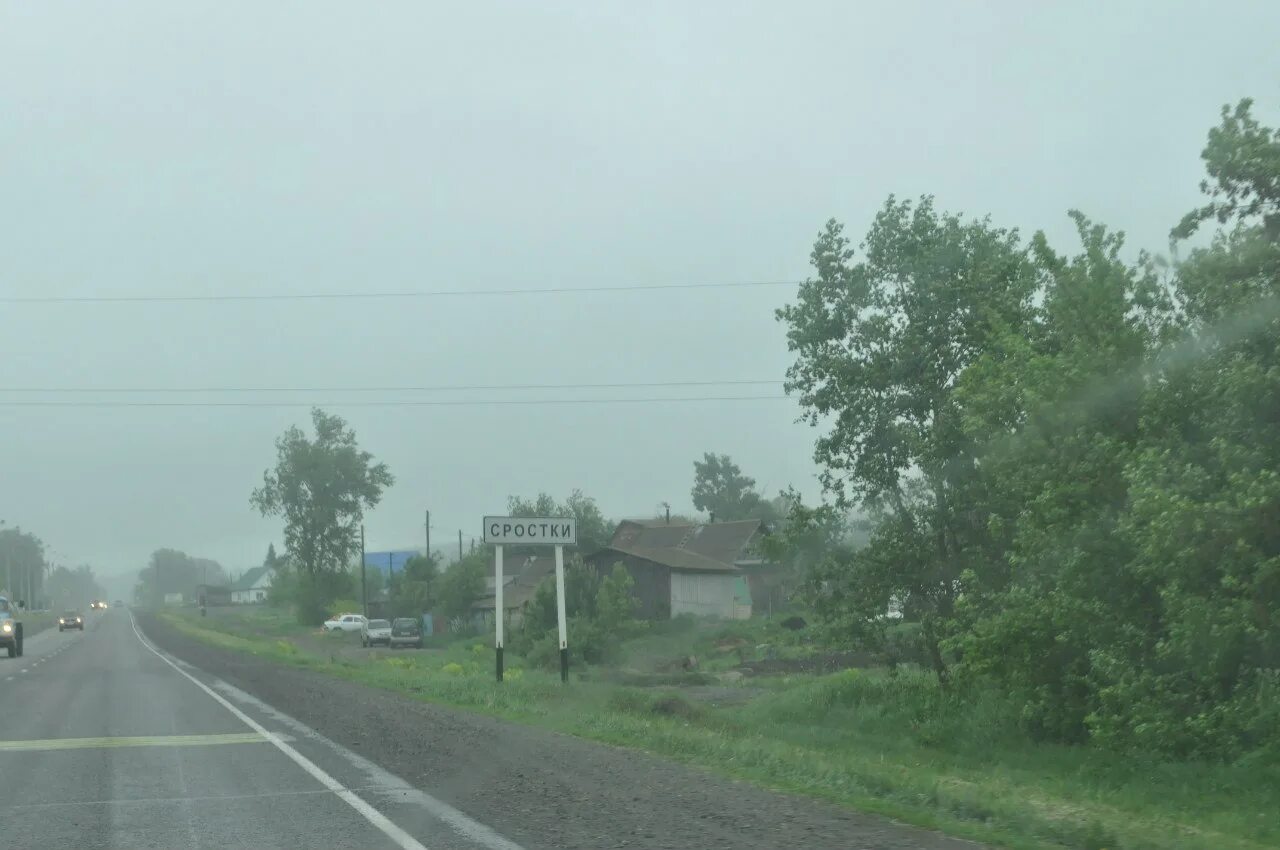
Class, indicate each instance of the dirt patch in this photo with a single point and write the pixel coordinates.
(542, 789)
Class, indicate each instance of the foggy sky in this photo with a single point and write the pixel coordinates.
(239, 148)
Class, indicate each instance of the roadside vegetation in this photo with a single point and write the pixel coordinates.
(1040, 604)
(896, 744)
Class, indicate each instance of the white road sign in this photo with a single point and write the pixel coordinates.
(535, 531)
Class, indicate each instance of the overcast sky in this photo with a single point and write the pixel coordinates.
(242, 148)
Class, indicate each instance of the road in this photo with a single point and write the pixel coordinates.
(106, 742)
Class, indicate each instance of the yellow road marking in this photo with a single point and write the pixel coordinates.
(147, 741)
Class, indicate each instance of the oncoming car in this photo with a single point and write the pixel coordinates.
(70, 620)
(10, 627)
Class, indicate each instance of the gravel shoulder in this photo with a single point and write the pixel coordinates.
(541, 788)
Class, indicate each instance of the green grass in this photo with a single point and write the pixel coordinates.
(893, 745)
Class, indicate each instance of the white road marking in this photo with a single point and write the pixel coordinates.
(386, 783)
(388, 827)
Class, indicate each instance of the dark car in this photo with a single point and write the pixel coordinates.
(70, 620)
(406, 631)
(10, 627)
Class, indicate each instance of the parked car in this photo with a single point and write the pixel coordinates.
(345, 623)
(70, 620)
(405, 631)
(376, 632)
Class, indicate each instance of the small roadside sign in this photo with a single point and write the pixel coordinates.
(531, 531)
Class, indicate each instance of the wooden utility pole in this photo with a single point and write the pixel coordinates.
(364, 584)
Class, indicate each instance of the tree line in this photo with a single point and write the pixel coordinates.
(1070, 461)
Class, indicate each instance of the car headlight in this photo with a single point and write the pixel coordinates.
(61, 622)
(7, 627)
(78, 620)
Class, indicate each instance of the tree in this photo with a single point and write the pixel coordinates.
(22, 564)
(72, 588)
(321, 487)
(1242, 158)
(462, 584)
(414, 589)
(880, 345)
(593, 529)
(174, 571)
(720, 489)
(598, 613)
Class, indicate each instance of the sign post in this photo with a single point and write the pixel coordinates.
(560, 619)
(530, 531)
(497, 605)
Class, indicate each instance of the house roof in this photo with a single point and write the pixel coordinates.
(249, 578)
(520, 579)
(725, 542)
(676, 559)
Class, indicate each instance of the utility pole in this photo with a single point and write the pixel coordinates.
(427, 525)
(364, 584)
(459, 544)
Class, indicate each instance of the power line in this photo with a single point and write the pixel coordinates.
(397, 403)
(353, 389)
(335, 296)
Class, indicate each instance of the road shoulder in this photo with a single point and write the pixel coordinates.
(541, 788)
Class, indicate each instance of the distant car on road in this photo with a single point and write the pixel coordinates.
(376, 632)
(345, 623)
(406, 631)
(70, 620)
(10, 627)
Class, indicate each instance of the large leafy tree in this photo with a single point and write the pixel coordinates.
(174, 571)
(722, 490)
(880, 345)
(321, 486)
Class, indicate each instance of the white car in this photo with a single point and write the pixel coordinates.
(376, 632)
(345, 623)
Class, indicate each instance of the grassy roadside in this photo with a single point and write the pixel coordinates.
(34, 624)
(863, 740)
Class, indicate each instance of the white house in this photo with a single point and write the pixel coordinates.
(253, 586)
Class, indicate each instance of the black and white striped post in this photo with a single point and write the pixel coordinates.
(497, 605)
(560, 618)
(502, 531)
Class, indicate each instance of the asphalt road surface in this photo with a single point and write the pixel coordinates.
(108, 740)
(104, 742)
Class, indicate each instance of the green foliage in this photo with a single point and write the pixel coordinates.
(174, 571)
(414, 589)
(599, 615)
(1071, 464)
(462, 584)
(72, 588)
(593, 529)
(22, 565)
(720, 489)
(1243, 161)
(322, 488)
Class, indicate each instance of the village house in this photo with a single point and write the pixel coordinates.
(252, 586)
(714, 569)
